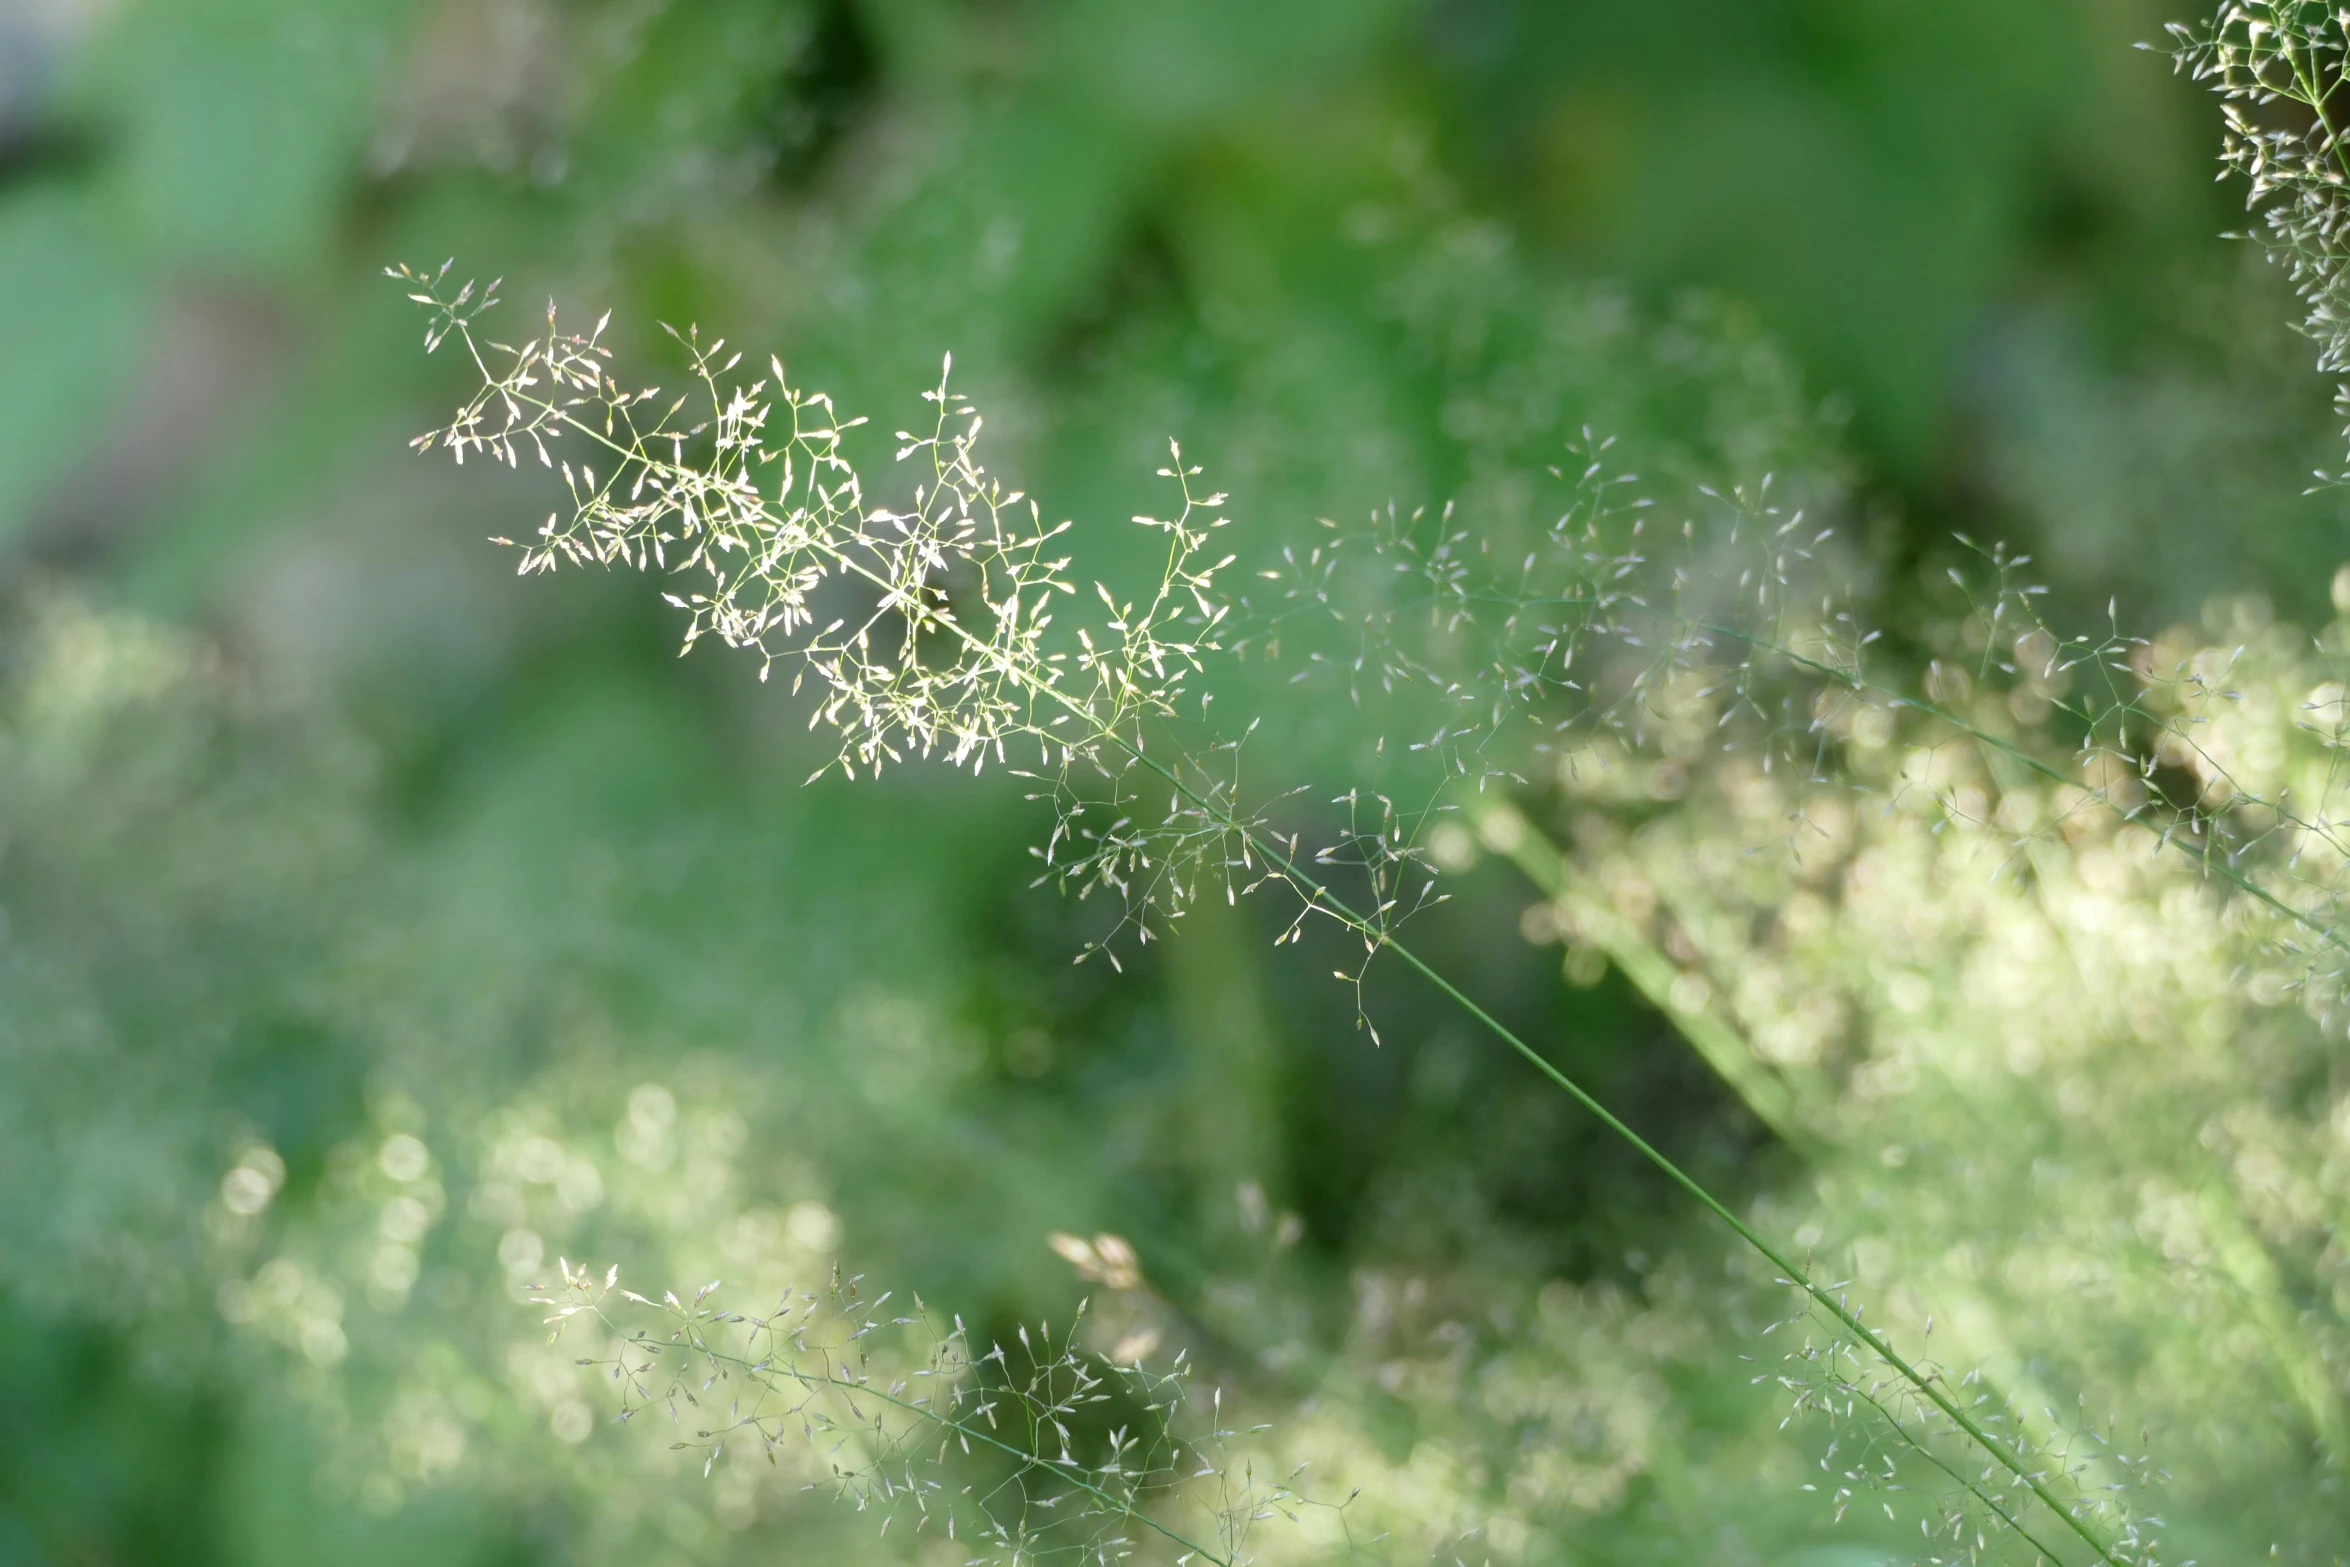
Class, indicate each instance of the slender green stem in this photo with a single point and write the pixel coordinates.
(1835, 1306)
(1938, 1461)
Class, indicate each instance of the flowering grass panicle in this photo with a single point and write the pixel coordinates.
(1033, 1452)
(2258, 55)
(929, 629)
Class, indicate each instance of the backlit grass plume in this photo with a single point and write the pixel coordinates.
(928, 630)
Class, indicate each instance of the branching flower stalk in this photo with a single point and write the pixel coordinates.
(818, 1375)
(931, 631)
(2256, 55)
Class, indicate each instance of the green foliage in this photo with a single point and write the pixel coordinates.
(379, 932)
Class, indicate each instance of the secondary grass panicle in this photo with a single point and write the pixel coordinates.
(931, 630)
(1891, 1439)
(1029, 1452)
(2257, 55)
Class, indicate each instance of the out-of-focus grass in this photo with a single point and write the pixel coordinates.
(321, 834)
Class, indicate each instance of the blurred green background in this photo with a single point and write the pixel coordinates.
(332, 854)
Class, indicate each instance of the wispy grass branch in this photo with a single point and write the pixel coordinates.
(880, 1428)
